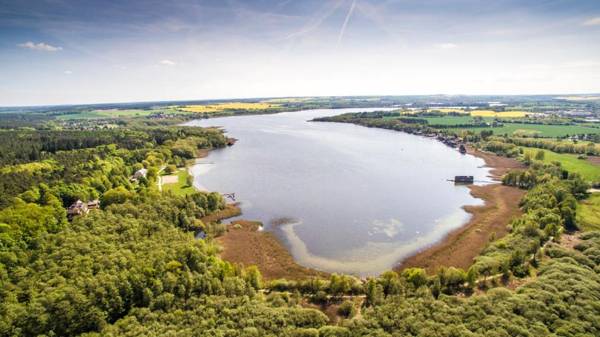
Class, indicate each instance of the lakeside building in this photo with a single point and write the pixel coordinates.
(82, 208)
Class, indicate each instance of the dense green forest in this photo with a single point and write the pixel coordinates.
(133, 267)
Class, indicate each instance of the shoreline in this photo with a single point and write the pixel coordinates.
(488, 221)
(245, 243)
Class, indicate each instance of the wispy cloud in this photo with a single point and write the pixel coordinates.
(446, 45)
(322, 14)
(168, 63)
(39, 46)
(345, 24)
(68, 72)
(592, 22)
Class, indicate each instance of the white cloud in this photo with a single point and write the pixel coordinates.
(447, 45)
(167, 63)
(39, 46)
(592, 22)
(68, 72)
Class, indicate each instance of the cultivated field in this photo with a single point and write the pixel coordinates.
(212, 108)
(503, 114)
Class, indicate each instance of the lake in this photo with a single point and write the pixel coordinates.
(343, 198)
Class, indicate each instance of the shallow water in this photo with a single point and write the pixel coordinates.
(344, 198)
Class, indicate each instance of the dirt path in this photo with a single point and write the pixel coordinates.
(243, 243)
(490, 220)
(594, 160)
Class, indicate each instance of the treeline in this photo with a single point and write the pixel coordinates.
(377, 120)
(586, 148)
(510, 146)
(33, 196)
(25, 146)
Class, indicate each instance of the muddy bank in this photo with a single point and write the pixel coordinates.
(488, 221)
(245, 244)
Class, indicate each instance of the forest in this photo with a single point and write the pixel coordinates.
(134, 266)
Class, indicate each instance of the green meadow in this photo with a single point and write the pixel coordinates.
(570, 162)
(588, 213)
(541, 130)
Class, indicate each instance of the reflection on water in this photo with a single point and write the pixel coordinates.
(344, 198)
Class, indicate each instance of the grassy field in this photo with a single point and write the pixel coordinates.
(516, 129)
(181, 187)
(484, 113)
(588, 213)
(588, 171)
(536, 129)
(212, 108)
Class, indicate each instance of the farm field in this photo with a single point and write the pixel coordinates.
(516, 129)
(212, 108)
(483, 113)
(523, 129)
(503, 114)
(588, 213)
(570, 162)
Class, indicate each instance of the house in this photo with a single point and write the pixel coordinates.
(139, 173)
(93, 204)
(77, 208)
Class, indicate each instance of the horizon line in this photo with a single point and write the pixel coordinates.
(282, 97)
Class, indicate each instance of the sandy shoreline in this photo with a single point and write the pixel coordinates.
(459, 247)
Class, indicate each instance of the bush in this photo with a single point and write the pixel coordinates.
(347, 309)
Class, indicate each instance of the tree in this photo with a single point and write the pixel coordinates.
(189, 179)
(374, 292)
(117, 195)
(416, 276)
(539, 155)
(347, 309)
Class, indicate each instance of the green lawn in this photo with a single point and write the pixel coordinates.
(181, 187)
(588, 213)
(539, 129)
(513, 128)
(588, 171)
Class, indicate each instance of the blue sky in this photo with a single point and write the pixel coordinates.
(61, 51)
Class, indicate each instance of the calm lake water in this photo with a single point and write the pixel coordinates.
(351, 199)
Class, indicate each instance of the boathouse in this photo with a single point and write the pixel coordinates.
(463, 179)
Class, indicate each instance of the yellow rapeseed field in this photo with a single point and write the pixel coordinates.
(491, 113)
(227, 106)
